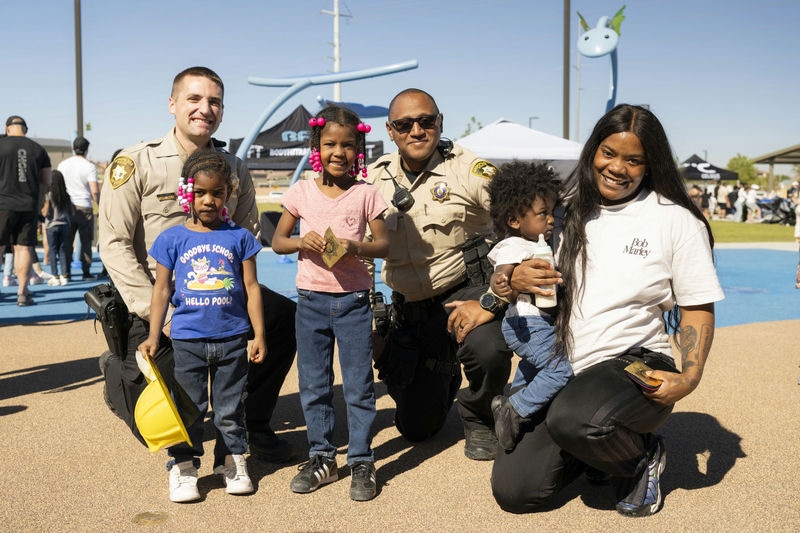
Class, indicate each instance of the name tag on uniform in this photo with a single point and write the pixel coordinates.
(167, 197)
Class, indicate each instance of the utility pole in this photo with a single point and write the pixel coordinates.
(78, 67)
(337, 87)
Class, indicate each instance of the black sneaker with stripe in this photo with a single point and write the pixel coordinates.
(363, 485)
(319, 470)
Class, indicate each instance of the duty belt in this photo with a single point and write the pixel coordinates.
(415, 312)
(443, 367)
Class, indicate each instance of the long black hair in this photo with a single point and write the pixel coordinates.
(582, 199)
(59, 197)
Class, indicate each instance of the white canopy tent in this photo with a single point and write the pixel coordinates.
(503, 140)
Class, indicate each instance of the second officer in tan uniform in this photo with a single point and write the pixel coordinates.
(437, 227)
(139, 201)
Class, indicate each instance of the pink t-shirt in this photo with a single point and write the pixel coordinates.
(348, 216)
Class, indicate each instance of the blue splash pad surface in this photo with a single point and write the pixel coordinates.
(758, 285)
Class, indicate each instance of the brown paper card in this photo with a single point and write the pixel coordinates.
(636, 371)
(333, 249)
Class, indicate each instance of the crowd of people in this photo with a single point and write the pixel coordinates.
(39, 202)
(611, 332)
(743, 202)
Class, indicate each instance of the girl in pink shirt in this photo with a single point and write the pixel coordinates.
(333, 301)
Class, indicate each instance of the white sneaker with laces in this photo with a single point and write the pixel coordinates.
(47, 276)
(234, 473)
(183, 483)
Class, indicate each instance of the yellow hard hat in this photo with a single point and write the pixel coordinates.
(156, 415)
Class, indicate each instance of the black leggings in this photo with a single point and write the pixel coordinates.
(600, 419)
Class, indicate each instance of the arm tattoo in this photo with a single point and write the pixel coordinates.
(694, 347)
(688, 343)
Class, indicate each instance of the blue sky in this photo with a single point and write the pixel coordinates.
(721, 75)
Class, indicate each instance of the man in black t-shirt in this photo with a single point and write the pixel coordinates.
(24, 179)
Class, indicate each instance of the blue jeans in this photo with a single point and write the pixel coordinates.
(57, 255)
(225, 362)
(321, 318)
(538, 376)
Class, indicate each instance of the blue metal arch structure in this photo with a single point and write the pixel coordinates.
(295, 85)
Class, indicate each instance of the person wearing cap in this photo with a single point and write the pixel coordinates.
(138, 202)
(751, 202)
(24, 178)
(80, 175)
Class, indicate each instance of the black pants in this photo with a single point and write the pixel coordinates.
(600, 419)
(82, 223)
(124, 382)
(423, 404)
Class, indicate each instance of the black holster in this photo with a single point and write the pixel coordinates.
(113, 315)
(476, 260)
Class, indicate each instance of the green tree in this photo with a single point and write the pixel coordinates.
(473, 123)
(745, 167)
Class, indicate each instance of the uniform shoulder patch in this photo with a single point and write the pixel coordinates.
(121, 170)
(483, 169)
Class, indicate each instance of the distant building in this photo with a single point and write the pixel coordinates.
(57, 149)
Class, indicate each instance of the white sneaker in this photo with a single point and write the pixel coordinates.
(234, 473)
(9, 281)
(47, 276)
(35, 279)
(183, 483)
(53, 281)
(62, 280)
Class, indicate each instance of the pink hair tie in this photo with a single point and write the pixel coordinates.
(364, 128)
(314, 122)
(186, 194)
(315, 160)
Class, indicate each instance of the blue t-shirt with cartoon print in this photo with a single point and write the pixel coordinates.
(209, 297)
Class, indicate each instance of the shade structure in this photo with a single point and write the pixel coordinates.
(503, 141)
(696, 169)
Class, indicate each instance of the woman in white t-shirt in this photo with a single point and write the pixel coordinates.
(634, 254)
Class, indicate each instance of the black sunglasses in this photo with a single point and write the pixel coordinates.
(404, 125)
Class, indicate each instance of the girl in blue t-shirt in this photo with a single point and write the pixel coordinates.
(216, 299)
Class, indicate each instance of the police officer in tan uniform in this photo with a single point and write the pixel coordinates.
(444, 316)
(139, 201)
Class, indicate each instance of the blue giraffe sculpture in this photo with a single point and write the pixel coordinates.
(603, 40)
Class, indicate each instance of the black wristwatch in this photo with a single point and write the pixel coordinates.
(490, 302)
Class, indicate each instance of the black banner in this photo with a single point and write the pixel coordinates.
(282, 146)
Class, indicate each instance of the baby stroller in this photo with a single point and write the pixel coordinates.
(777, 211)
